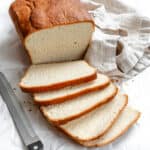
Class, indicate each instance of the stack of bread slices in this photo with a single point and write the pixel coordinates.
(81, 102)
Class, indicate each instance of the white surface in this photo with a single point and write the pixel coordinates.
(13, 61)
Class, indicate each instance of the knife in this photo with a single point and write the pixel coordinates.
(26, 132)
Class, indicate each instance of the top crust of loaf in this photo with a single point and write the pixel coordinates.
(33, 15)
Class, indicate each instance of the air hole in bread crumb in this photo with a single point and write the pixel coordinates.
(75, 42)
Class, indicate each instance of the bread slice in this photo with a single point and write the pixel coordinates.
(52, 30)
(44, 77)
(69, 110)
(97, 122)
(70, 92)
(127, 118)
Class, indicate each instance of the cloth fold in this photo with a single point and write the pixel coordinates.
(116, 23)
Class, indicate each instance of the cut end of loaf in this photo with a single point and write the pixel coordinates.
(59, 43)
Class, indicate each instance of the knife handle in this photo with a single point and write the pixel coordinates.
(35, 146)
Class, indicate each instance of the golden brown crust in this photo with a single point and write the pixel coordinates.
(69, 97)
(117, 136)
(65, 120)
(13, 17)
(101, 134)
(33, 15)
(59, 85)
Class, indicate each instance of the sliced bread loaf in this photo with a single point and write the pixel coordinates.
(52, 30)
(127, 118)
(95, 123)
(46, 77)
(70, 92)
(68, 110)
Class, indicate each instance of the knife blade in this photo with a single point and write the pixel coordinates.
(25, 130)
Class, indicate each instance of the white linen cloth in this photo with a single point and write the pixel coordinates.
(114, 21)
(121, 28)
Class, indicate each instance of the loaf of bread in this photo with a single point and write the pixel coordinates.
(82, 103)
(52, 30)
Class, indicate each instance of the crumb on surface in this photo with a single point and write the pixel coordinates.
(30, 109)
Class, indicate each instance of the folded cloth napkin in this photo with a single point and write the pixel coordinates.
(120, 45)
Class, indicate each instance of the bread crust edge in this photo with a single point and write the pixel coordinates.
(38, 89)
(117, 136)
(69, 97)
(102, 133)
(65, 120)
